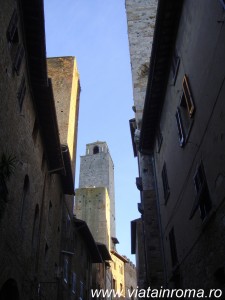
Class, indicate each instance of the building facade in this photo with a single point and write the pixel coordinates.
(184, 142)
(42, 245)
(141, 23)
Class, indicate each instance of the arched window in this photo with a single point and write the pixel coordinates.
(9, 290)
(26, 185)
(96, 150)
(35, 228)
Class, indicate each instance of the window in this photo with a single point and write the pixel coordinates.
(65, 270)
(74, 277)
(21, 93)
(173, 248)
(188, 97)
(166, 188)
(18, 59)
(96, 150)
(121, 287)
(184, 113)
(202, 200)
(114, 284)
(175, 66)
(181, 132)
(12, 30)
(159, 138)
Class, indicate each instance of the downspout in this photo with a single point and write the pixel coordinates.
(160, 222)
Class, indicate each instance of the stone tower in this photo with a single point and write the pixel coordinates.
(95, 201)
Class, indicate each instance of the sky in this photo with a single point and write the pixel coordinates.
(95, 32)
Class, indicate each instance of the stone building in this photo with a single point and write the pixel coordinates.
(182, 132)
(41, 244)
(141, 23)
(95, 204)
(130, 279)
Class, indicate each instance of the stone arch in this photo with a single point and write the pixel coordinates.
(9, 290)
(96, 149)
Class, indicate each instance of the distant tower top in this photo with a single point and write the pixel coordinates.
(96, 147)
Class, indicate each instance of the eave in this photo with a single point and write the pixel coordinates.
(167, 21)
(121, 257)
(92, 247)
(32, 22)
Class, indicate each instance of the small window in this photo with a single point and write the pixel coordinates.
(121, 287)
(114, 284)
(173, 248)
(74, 279)
(175, 66)
(159, 138)
(184, 113)
(188, 97)
(12, 30)
(18, 59)
(202, 201)
(96, 150)
(65, 270)
(166, 188)
(21, 93)
(181, 132)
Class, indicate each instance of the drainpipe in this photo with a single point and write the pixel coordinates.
(160, 222)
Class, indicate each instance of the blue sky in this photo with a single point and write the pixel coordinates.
(95, 32)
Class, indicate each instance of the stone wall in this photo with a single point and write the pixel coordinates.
(66, 86)
(141, 23)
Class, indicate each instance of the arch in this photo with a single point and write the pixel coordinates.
(9, 290)
(96, 149)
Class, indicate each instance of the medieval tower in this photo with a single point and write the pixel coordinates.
(95, 201)
(95, 204)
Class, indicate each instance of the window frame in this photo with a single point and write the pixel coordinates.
(188, 96)
(180, 127)
(203, 200)
(166, 188)
(65, 270)
(21, 92)
(175, 63)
